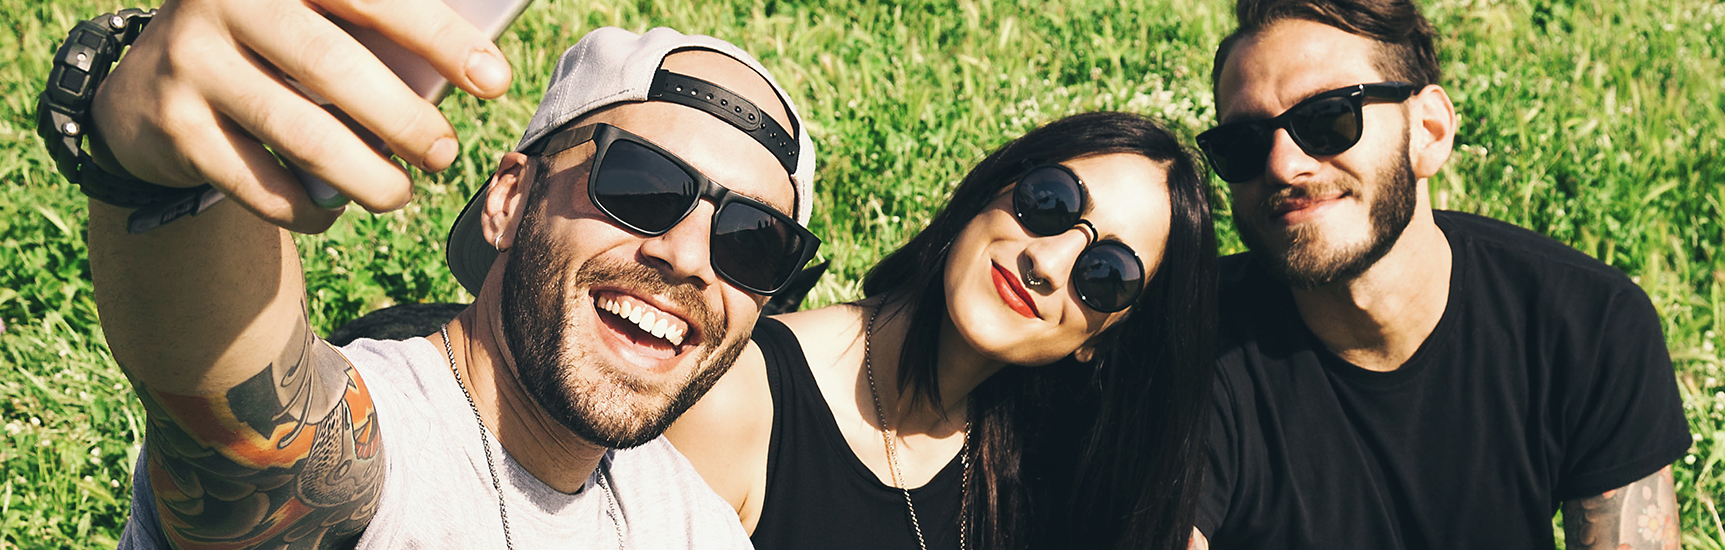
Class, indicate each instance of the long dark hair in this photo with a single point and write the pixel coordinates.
(1105, 454)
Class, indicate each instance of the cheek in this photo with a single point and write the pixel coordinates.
(741, 310)
(965, 251)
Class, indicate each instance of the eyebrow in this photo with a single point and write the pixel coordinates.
(763, 200)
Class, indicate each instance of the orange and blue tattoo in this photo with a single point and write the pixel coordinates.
(1638, 516)
(290, 458)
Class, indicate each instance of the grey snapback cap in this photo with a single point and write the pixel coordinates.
(609, 66)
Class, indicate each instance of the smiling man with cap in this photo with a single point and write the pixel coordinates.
(619, 256)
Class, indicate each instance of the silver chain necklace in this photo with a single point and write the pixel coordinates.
(491, 466)
(891, 437)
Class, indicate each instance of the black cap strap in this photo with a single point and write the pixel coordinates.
(729, 107)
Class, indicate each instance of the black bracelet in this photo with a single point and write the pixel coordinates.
(63, 114)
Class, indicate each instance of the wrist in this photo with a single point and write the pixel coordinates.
(63, 119)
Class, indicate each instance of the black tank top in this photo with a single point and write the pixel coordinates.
(819, 494)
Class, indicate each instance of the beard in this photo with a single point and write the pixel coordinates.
(1309, 262)
(601, 402)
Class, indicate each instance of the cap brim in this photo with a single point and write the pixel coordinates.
(469, 255)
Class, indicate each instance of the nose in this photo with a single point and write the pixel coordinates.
(1287, 162)
(1051, 258)
(683, 253)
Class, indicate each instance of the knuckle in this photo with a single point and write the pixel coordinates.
(333, 59)
(363, 11)
(416, 126)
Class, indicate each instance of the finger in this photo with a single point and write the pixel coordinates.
(309, 48)
(457, 49)
(304, 134)
(252, 177)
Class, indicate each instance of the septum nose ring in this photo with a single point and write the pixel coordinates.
(1033, 281)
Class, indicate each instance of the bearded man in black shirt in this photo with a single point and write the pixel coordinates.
(1394, 377)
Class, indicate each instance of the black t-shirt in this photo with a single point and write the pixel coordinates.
(819, 494)
(1546, 379)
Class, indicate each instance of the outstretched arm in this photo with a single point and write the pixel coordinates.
(1638, 516)
(259, 432)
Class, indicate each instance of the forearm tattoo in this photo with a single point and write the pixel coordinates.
(1638, 516)
(290, 458)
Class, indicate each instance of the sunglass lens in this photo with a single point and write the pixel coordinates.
(1108, 277)
(1047, 201)
(641, 188)
(753, 248)
(1237, 151)
(1326, 127)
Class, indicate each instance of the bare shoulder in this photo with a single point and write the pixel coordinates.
(827, 334)
(740, 403)
(726, 434)
(290, 457)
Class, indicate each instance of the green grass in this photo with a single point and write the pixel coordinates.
(1600, 124)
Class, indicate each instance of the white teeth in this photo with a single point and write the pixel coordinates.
(659, 324)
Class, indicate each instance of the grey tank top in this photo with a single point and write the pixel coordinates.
(438, 494)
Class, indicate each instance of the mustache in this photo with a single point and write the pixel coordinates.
(1289, 197)
(709, 325)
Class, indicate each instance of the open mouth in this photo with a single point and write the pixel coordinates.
(1015, 296)
(661, 334)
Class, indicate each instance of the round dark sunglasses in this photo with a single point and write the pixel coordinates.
(649, 190)
(1324, 124)
(1050, 200)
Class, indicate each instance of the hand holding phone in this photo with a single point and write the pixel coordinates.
(489, 16)
(200, 98)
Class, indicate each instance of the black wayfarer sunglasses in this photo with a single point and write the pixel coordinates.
(1050, 200)
(649, 190)
(1324, 124)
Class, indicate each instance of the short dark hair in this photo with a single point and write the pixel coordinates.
(1406, 52)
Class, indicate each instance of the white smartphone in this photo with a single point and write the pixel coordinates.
(489, 16)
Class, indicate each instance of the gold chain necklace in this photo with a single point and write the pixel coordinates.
(496, 484)
(891, 438)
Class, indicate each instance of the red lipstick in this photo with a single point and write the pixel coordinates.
(1014, 294)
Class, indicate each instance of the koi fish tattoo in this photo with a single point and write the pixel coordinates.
(290, 458)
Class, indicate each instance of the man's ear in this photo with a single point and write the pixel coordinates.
(1432, 127)
(506, 198)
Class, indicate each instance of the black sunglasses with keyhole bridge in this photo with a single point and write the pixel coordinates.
(1050, 200)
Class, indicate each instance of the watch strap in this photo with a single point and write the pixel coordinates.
(63, 110)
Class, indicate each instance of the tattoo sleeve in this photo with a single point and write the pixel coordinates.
(1638, 516)
(290, 458)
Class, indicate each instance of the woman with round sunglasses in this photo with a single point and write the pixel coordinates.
(1030, 370)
